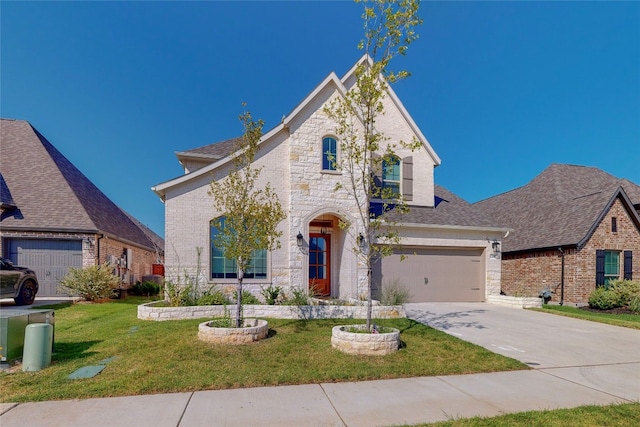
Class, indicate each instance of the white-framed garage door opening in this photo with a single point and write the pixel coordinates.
(435, 274)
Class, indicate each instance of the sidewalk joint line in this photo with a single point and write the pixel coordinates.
(184, 411)
(332, 405)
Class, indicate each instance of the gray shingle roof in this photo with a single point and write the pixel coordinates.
(450, 210)
(216, 150)
(50, 193)
(559, 207)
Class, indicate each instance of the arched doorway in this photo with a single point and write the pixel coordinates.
(323, 235)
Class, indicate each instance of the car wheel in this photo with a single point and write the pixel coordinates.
(27, 293)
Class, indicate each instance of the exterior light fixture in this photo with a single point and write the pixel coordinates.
(299, 239)
(361, 241)
(495, 245)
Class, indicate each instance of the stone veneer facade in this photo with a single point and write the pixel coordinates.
(527, 274)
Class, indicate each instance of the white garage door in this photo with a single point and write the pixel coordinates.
(50, 259)
(436, 275)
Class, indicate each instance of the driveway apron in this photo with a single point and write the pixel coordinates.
(604, 357)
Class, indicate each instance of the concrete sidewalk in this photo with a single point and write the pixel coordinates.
(369, 403)
(577, 363)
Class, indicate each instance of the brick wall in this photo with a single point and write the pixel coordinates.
(529, 273)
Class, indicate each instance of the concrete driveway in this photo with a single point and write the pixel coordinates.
(600, 356)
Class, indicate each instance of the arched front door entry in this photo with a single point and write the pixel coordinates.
(320, 264)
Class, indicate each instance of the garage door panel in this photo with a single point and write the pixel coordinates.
(50, 259)
(437, 275)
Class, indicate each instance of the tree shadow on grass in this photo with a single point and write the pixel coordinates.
(66, 351)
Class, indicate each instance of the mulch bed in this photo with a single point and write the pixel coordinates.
(618, 310)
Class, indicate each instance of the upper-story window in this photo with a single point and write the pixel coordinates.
(329, 153)
(391, 178)
(225, 268)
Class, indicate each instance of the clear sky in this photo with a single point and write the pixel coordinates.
(500, 89)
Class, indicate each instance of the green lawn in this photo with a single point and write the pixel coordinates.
(625, 320)
(162, 357)
(624, 415)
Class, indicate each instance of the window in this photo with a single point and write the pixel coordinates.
(329, 153)
(614, 224)
(390, 178)
(611, 266)
(224, 268)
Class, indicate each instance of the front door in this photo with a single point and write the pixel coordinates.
(320, 264)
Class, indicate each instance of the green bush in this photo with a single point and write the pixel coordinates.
(145, 288)
(247, 297)
(634, 304)
(213, 296)
(271, 294)
(603, 299)
(178, 295)
(92, 283)
(395, 293)
(625, 290)
(297, 297)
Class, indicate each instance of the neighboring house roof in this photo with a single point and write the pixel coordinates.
(215, 150)
(449, 210)
(50, 193)
(559, 208)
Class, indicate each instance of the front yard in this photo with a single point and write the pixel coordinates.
(143, 357)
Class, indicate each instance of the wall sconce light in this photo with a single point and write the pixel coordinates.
(496, 246)
(299, 239)
(361, 241)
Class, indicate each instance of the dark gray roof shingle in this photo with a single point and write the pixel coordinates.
(557, 208)
(51, 193)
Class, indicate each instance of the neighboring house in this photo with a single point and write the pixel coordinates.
(574, 228)
(449, 248)
(53, 217)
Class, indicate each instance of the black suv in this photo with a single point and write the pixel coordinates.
(19, 283)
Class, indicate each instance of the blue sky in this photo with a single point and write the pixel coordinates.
(500, 89)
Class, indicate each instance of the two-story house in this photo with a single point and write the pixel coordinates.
(452, 254)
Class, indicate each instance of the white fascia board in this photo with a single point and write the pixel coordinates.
(161, 188)
(188, 155)
(331, 78)
(454, 227)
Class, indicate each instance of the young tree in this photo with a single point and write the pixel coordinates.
(365, 151)
(249, 216)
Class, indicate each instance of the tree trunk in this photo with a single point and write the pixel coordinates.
(239, 298)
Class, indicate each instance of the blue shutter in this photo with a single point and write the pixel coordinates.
(628, 257)
(599, 267)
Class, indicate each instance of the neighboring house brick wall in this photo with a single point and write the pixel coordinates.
(529, 273)
(142, 263)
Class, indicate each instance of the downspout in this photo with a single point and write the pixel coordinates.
(561, 277)
(100, 237)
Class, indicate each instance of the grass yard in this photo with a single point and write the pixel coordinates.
(627, 320)
(161, 357)
(624, 415)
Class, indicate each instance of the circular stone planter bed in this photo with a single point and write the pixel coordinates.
(253, 330)
(376, 344)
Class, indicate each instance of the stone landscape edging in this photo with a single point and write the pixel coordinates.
(148, 311)
(515, 302)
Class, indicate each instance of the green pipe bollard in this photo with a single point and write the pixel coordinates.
(38, 344)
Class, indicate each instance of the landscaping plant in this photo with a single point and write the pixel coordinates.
(248, 216)
(93, 283)
(365, 151)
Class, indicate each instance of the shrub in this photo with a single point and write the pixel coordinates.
(213, 296)
(247, 297)
(603, 299)
(92, 283)
(625, 290)
(145, 288)
(271, 294)
(634, 304)
(395, 293)
(178, 295)
(297, 297)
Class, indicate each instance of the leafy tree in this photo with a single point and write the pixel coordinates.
(251, 215)
(365, 151)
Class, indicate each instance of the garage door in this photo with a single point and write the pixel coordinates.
(436, 275)
(50, 259)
